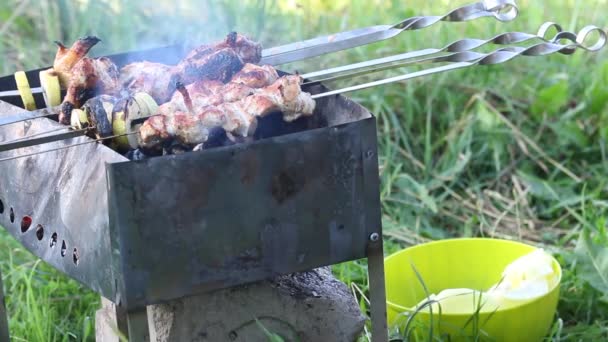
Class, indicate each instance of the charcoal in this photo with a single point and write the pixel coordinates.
(136, 155)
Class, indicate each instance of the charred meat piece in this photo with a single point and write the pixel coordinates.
(219, 61)
(218, 65)
(247, 50)
(67, 58)
(212, 93)
(89, 77)
(215, 62)
(152, 78)
(238, 118)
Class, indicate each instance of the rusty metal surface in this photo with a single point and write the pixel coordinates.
(65, 195)
(195, 222)
(167, 227)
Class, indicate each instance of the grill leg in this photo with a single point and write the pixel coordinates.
(138, 326)
(110, 322)
(377, 291)
(4, 336)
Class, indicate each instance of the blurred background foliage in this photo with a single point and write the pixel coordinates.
(514, 151)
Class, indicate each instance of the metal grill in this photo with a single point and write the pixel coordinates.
(144, 232)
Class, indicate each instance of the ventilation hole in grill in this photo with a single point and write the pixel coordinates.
(26, 222)
(12, 215)
(75, 257)
(1, 207)
(39, 232)
(63, 248)
(53, 240)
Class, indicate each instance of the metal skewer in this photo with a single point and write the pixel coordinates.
(21, 143)
(7, 93)
(66, 147)
(22, 119)
(385, 63)
(503, 10)
(457, 60)
(64, 128)
(469, 58)
(457, 46)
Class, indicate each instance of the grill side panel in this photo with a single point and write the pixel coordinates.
(64, 195)
(202, 221)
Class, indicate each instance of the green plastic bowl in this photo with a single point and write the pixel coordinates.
(464, 263)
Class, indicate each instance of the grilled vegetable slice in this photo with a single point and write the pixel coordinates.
(99, 111)
(144, 99)
(145, 107)
(79, 119)
(23, 86)
(119, 128)
(138, 106)
(51, 90)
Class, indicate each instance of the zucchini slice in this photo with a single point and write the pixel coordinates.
(79, 119)
(143, 106)
(23, 86)
(51, 90)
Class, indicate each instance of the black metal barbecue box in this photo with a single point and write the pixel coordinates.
(141, 232)
(303, 195)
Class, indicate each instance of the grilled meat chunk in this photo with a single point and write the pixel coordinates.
(153, 78)
(217, 62)
(256, 76)
(67, 58)
(89, 77)
(212, 93)
(247, 50)
(238, 118)
(218, 65)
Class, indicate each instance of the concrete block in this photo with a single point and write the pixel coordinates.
(306, 307)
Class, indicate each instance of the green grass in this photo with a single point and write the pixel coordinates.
(516, 151)
(43, 304)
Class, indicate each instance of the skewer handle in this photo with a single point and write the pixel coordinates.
(503, 10)
(462, 45)
(468, 58)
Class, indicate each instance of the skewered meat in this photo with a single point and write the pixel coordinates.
(211, 93)
(66, 58)
(248, 50)
(152, 78)
(256, 76)
(238, 118)
(225, 57)
(218, 61)
(89, 77)
(218, 65)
